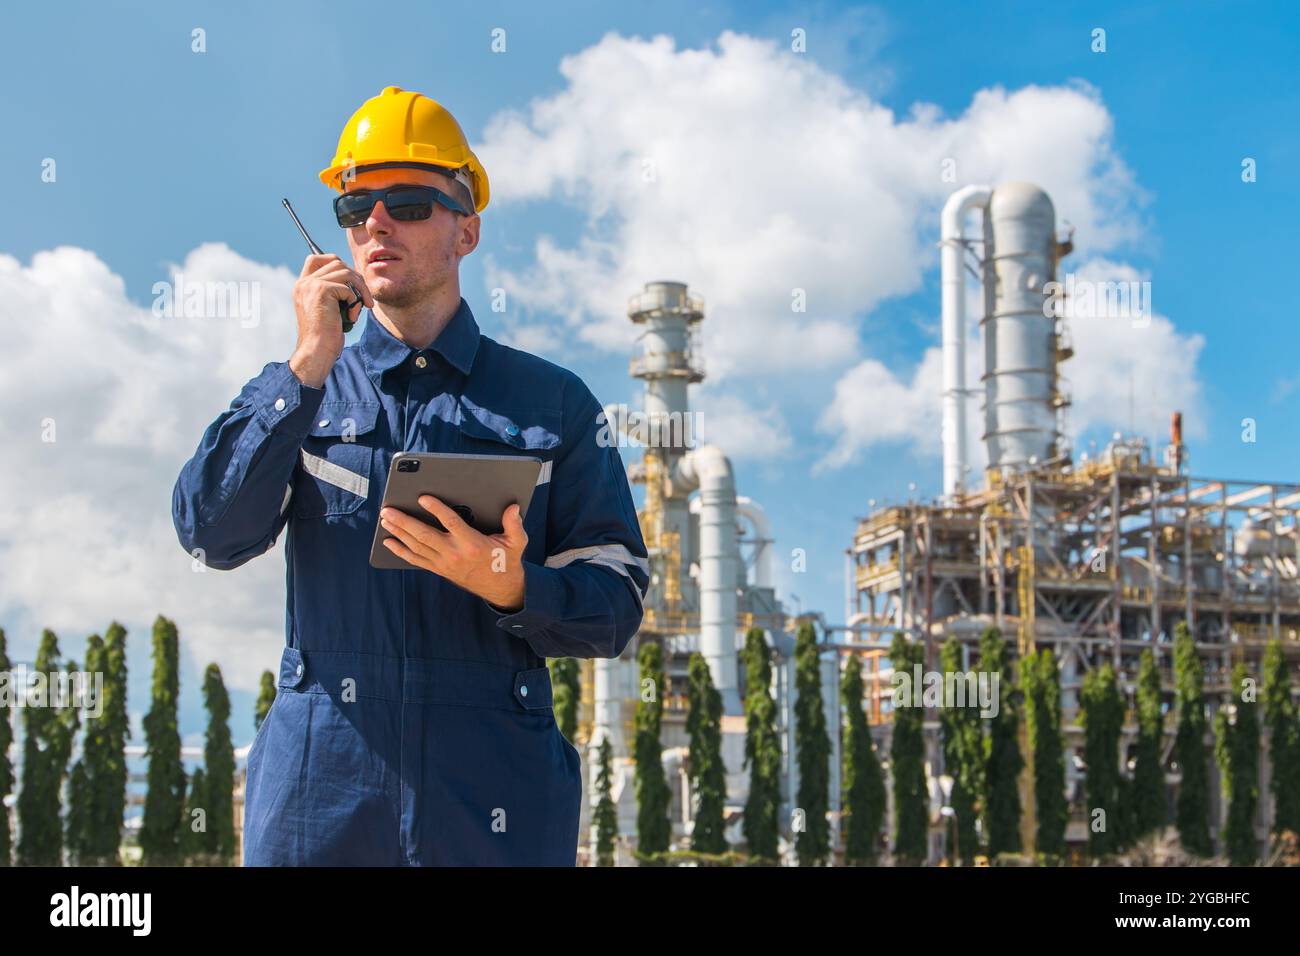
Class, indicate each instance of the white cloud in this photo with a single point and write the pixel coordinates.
(742, 429)
(87, 536)
(873, 405)
(1127, 373)
(750, 172)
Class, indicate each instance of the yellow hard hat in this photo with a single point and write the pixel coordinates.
(407, 129)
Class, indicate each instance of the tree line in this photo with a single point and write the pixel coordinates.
(73, 811)
(1124, 795)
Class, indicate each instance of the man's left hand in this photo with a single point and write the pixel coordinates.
(488, 565)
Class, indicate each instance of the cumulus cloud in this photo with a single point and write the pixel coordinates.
(745, 430)
(873, 404)
(752, 172)
(103, 400)
(761, 178)
(1131, 368)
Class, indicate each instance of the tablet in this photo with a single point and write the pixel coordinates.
(477, 487)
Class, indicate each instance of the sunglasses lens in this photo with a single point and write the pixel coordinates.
(409, 205)
(352, 209)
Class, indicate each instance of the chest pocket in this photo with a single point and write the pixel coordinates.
(337, 460)
(534, 432)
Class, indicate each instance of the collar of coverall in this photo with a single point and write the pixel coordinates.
(457, 342)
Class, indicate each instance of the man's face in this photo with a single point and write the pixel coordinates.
(428, 252)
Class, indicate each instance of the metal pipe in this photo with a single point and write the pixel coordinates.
(1020, 377)
(709, 469)
(753, 512)
(953, 286)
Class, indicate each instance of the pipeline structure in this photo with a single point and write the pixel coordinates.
(1099, 556)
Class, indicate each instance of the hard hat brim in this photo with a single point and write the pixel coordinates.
(333, 175)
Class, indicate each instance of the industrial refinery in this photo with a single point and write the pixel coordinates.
(1098, 555)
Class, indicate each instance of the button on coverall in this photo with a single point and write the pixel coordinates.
(413, 723)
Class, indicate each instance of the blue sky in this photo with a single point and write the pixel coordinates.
(160, 150)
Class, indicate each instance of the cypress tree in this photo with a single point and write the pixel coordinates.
(1148, 788)
(108, 770)
(79, 826)
(708, 774)
(1003, 761)
(907, 761)
(165, 800)
(606, 813)
(1283, 740)
(1237, 749)
(1040, 683)
(1192, 810)
(864, 783)
(6, 766)
(48, 727)
(1189, 745)
(566, 694)
(1102, 715)
(265, 698)
(219, 769)
(653, 830)
(195, 843)
(963, 757)
(762, 751)
(93, 831)
(813, 745)
(75, 825)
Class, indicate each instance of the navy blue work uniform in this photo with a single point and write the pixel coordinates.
(413, 723)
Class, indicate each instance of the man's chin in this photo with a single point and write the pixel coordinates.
(399, 297)
(394, 298)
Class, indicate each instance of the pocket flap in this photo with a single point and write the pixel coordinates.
(341, 419)
(536, 428)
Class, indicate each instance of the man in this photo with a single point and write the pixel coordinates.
(413, 721)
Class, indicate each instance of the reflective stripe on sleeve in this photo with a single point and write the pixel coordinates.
(614, 556)
(335, 475)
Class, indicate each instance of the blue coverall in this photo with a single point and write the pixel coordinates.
(412, 723)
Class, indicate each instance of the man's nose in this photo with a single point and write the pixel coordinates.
(379, 221)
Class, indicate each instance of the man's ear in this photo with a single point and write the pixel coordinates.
(469, 234)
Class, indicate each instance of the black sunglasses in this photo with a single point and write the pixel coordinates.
(405, 203)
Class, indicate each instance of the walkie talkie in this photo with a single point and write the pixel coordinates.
(345, 308)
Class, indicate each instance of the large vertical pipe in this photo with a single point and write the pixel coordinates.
(708, 469)
(953, 282)
(1020, 374)
(753, 512)
(607, 721)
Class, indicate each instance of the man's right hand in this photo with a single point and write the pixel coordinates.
(321, 286)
